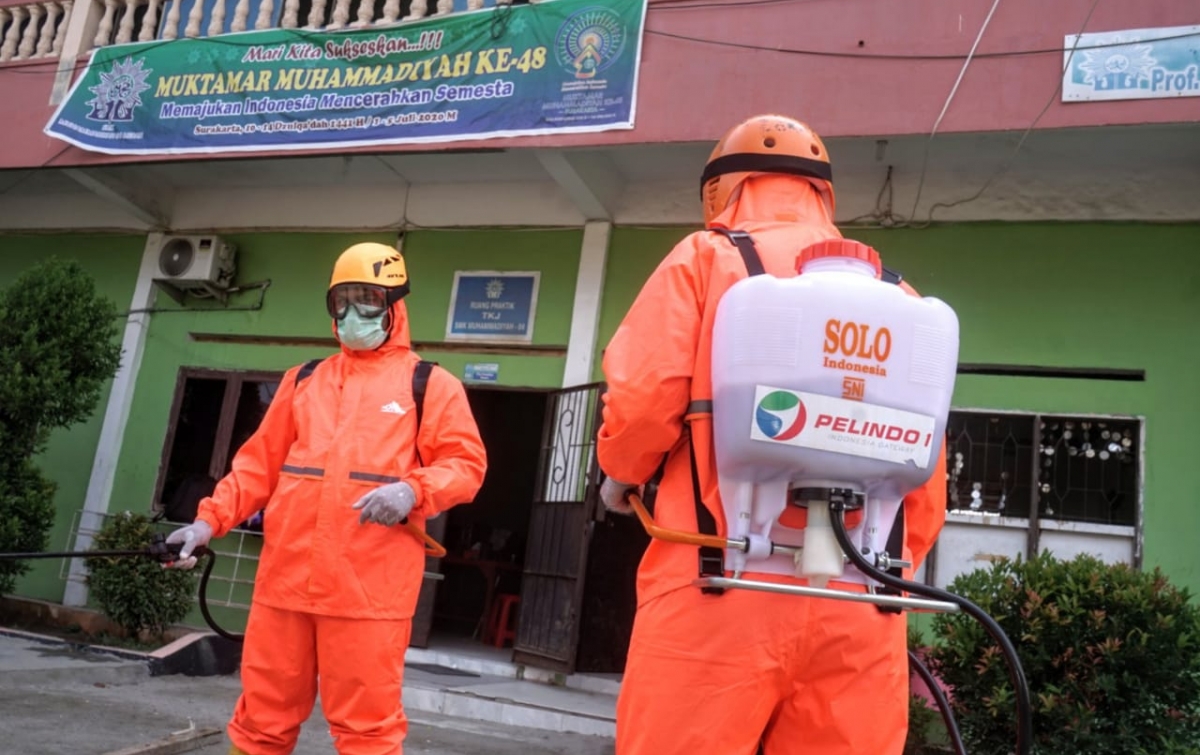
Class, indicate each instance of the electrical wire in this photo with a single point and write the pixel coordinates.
(953, 91)
(693, 5)
(30, 172)
(307, 34)
(1020, 142)
(887, 218)
(899, 56)
(260, 286)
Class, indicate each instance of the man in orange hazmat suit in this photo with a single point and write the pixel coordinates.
(727, 673)
(338, 462)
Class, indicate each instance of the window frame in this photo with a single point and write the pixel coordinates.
(225, 422)
(1035, 523)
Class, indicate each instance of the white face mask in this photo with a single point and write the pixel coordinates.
(361, 333)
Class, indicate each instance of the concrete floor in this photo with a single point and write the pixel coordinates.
(54, 701)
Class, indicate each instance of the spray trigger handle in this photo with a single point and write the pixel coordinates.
(163, 551)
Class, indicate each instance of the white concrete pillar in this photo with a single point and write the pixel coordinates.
(116, 417)
(585, 315)
(82, 23)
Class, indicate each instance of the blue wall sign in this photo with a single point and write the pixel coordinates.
(482, 373)
(492, 306)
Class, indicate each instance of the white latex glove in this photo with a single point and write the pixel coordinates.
(192, 536)
(387, 504)
(612, 494)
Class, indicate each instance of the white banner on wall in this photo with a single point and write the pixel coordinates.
(1132, 64)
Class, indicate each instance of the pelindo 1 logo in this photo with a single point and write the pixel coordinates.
(780, 415)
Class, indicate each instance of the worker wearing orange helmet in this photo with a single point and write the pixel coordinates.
(730, 672)
(338, 462)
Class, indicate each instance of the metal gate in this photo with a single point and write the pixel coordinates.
(560, 530)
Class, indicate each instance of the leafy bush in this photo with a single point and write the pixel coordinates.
(1110, 654)
(58, 346)
(26, 514)
(137, 594)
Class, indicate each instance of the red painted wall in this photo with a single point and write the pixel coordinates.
(693, 90)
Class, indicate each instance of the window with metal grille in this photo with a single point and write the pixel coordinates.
(1061, 467)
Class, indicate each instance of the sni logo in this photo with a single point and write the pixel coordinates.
(780, 415)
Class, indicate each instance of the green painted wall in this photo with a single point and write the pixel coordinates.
(1077, 295)
(112, 261)
(1054, 294)
(298, 267)
(633, 254)
(433, 256)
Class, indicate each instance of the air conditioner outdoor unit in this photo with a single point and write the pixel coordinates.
(201, 265)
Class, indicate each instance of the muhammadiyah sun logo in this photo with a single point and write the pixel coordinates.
(589, 41)
(119, 92)
(780, 415)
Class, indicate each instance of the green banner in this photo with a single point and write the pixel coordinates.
(555, 67)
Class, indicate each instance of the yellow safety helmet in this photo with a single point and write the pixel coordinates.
(764, 144)
(371, 276)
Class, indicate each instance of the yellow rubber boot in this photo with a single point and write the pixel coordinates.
(235, 750)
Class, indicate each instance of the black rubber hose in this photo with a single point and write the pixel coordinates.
(202, 596)
(1015, 671)
(156, 551)
(73, 554)
(943, 702)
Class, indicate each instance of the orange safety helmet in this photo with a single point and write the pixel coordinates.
(764, 144)
(369, 265)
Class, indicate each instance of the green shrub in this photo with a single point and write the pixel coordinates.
(58, 346)
(1110, 654)
(137, 594)
(26, 515)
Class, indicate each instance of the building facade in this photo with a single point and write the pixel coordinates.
(1042, 183)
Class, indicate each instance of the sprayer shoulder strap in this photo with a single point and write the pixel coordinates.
(745, 247)
(420, 382)
(307, 368)
(712, 560)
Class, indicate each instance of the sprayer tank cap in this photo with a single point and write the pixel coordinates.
(849, 248)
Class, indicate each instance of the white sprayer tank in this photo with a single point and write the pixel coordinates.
(829, 379)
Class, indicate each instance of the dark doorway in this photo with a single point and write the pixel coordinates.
(213, 414)
(485, 540)
(530, 534)
(610, 598)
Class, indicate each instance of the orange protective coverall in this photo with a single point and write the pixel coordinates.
(720, 673)
(333, 598)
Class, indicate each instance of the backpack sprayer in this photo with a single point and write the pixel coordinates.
(831, 391)
(166, 553)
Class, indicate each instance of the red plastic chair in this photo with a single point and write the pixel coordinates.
(502, 623)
